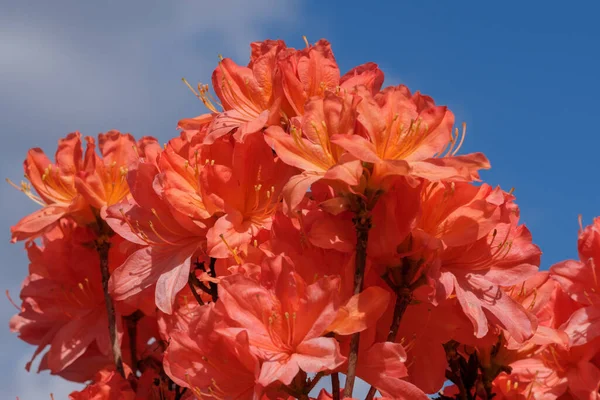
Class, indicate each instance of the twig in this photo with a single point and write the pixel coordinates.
(313, 382)
(455, 373)
(192, 286)
(335, 386)
(103, 247)
(179, 393)
(131, 321)
(362, 223)
(214, 291)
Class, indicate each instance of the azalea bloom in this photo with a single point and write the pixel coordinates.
(211, 364)
(284, 322)
(424, 330)
(63, 302)
(251, 96)
(169, 241)
(382, 366)
(76, 184)
(313, 71)
(579, 279)
(308, 145)
(473, 243)
(275, 86)
(246, 187)
(553, 373)
(407, 134)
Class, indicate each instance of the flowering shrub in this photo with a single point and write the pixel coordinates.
(311, 224)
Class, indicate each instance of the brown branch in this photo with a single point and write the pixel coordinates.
(335, 386)
(313, 382)
(179, 392)
(103, 247)
(456, 372)
(131, 322)
(362, 223)
(214, 291)
(192, 279)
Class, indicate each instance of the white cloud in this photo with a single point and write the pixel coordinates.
(94, 66)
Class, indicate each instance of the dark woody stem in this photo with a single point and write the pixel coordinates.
(213, 286)
(131, 323)
(335, 386)
(362, 222)
(103, 247)
(193, 282)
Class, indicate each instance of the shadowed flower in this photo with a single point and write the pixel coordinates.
(63, 302)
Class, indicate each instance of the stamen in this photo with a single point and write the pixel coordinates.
(26, 189)
(305, 41)
(464, 134)
(535, 292)
(159, 235)
(231, 250)
(11, 301)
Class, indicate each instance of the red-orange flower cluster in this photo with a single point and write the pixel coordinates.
(311, 224)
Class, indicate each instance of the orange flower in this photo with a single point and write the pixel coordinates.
(471, 243)
(63, 302)
(308, 145)
(102, 182)
(75, 187)
(210, 364)
(274, 87)
(245, 184)
(404, 134)
(169, 240)
(284, 319)
(313, 71)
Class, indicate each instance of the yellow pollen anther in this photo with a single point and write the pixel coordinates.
(26, 189)
(305, 41)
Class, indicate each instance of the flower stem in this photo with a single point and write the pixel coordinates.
(213, 286)
(103, 247)
(335, 386)
(362, 223)
(131, 322)
(193, 282)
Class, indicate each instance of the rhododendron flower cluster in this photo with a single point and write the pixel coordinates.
(311, 224)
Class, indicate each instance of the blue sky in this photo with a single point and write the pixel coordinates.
(524, 76)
